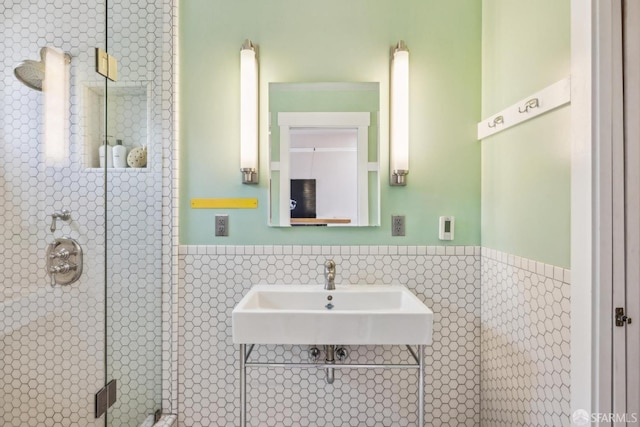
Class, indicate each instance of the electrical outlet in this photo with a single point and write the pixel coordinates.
(222, 225)
(397, 225)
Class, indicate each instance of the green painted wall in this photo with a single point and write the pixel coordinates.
(526, 169)
(333, 40)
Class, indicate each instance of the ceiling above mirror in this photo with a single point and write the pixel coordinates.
(324, 154)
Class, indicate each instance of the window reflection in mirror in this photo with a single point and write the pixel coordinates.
(324, 154)
(323, 173)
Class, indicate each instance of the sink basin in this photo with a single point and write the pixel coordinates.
(351, 314)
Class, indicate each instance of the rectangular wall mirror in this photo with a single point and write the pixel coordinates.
(324, 154)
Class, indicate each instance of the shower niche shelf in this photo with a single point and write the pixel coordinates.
(128, 118)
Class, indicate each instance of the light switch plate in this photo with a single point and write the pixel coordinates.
(445, 230)
(222, 225)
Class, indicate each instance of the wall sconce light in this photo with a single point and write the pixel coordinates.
(249, 113)
(399, 153)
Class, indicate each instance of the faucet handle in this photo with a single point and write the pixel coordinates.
(329, 275)
(314, 354)
(330, 266)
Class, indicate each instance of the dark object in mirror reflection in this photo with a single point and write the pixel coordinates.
(303, 200)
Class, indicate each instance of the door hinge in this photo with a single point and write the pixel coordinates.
(106, 65)
(621, 319)
(106, 397)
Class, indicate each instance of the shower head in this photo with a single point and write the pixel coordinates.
(31, 73)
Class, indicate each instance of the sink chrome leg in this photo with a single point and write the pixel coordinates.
(421, 387)
(243, 386)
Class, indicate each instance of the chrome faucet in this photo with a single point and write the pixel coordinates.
(330, 275)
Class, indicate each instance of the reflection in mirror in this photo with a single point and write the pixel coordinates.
(321, 162)
(324, 154)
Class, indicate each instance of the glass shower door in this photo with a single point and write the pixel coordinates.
(134, 212)
(62, 339)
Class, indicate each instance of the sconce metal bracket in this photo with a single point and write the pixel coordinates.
(399, 178)
(249, 176)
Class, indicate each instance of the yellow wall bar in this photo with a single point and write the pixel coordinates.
(224, 203)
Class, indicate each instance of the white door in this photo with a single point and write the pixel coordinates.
(628, 389)
(605, 367)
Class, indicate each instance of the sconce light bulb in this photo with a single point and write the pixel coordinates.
(248, 111)
(400, 114)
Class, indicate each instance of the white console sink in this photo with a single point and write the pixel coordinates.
(351, 314)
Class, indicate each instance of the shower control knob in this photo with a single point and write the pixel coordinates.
(64, 267)
(60, 268)
(64, 261)
(63, 253)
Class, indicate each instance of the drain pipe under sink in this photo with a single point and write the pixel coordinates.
(329, 351)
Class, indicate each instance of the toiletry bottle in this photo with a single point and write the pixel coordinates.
(119, 155)
(105, 152)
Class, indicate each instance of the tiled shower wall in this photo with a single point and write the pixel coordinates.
(214, 279)
(52, 346)
(525, 342)
(51, 339)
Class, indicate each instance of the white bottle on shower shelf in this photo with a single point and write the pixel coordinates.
(105, 153)
(119, 155)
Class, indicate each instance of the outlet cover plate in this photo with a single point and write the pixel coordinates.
(222, 225)
(397, 225)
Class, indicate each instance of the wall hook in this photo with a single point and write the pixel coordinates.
(497, 121)
(530, 104)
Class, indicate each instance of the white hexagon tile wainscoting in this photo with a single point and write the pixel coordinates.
(525, 342)
(214, 279)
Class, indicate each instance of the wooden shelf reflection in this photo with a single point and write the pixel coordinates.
(319, 221)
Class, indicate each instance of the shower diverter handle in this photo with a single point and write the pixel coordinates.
(64, 215)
